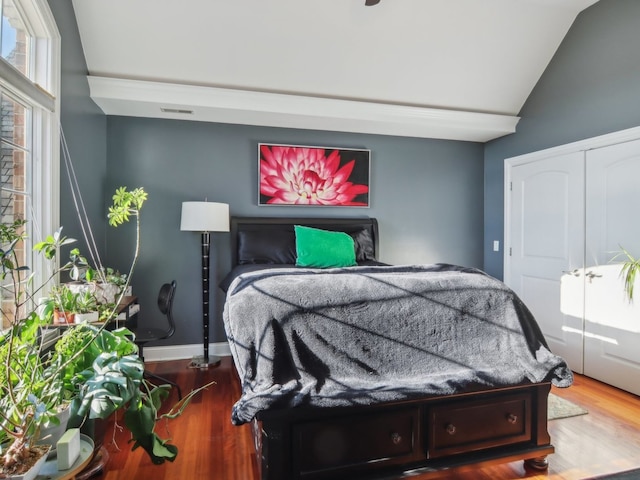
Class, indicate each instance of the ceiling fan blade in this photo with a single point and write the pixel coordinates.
(370, 3)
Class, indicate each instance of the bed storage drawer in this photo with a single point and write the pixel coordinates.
(463, 426)
(490, 426)
(383, 438)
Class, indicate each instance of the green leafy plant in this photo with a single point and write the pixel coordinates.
(83, 274)
(125, 204)
(114, 276)
(66, 300)
(109, 376)
(86, 302)
(629, 271)
(30, 385)
(61, 304)
(97, 370)
(79, 267)
(106, 312)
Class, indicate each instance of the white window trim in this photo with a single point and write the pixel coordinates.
(43, 94)
(47, 198)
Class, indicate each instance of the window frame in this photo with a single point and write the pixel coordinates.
(41, 94)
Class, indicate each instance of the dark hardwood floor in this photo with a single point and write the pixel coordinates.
(606, 440)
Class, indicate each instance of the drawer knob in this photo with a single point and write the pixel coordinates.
(396, 438)
(450, 428)
(512, 418)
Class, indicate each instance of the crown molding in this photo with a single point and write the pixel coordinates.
(138, 98)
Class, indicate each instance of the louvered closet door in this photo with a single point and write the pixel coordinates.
(612, 324)
(546, 231)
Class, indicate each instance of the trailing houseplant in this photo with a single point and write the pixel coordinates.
(96, 370)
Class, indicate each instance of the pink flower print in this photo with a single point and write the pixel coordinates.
(306, 176)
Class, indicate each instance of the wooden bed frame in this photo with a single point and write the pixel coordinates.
(420, 437)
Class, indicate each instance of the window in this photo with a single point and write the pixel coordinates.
(15, 38)
(29, 120)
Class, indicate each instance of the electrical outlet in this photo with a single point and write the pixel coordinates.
(496, 245)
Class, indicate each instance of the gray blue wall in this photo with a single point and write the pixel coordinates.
(84, 127)
(590, 88)
(426, 194)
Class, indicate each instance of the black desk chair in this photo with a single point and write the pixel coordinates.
(146, 335)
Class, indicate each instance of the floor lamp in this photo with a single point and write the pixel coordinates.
(205, 217)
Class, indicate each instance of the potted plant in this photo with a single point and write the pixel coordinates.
(105, 283)
(65, 304)
(94, 369)
(30, 392)
(110, 376)
(87, 308)
(114, 277)
(88, 279)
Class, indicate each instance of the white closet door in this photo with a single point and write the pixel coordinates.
(612, 324)
(546, 231)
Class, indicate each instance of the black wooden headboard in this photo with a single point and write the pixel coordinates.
(273, 226)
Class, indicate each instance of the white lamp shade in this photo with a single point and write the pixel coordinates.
(205, 217)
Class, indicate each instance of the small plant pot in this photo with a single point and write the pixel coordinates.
(87, 317)
(63, 318)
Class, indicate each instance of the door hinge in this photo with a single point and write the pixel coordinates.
(510, 251)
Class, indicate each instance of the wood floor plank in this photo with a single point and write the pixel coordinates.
(606, 440)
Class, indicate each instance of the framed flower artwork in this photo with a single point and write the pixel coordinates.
(313, 176)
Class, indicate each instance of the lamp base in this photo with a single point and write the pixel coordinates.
(199, 361)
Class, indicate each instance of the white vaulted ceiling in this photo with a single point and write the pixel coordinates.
(458, 69)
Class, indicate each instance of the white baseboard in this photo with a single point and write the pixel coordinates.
(183, 352)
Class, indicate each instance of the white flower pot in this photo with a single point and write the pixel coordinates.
(87, 317)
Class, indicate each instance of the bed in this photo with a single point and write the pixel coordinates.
(366, 370)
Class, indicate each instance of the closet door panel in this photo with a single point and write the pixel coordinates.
(546, 231)
(612, 323)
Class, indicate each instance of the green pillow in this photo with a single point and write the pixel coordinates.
(323, 249)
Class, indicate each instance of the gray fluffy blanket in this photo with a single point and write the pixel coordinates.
(362, 335)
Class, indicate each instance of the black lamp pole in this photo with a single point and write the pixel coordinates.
(206, 249)
(206, 246)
